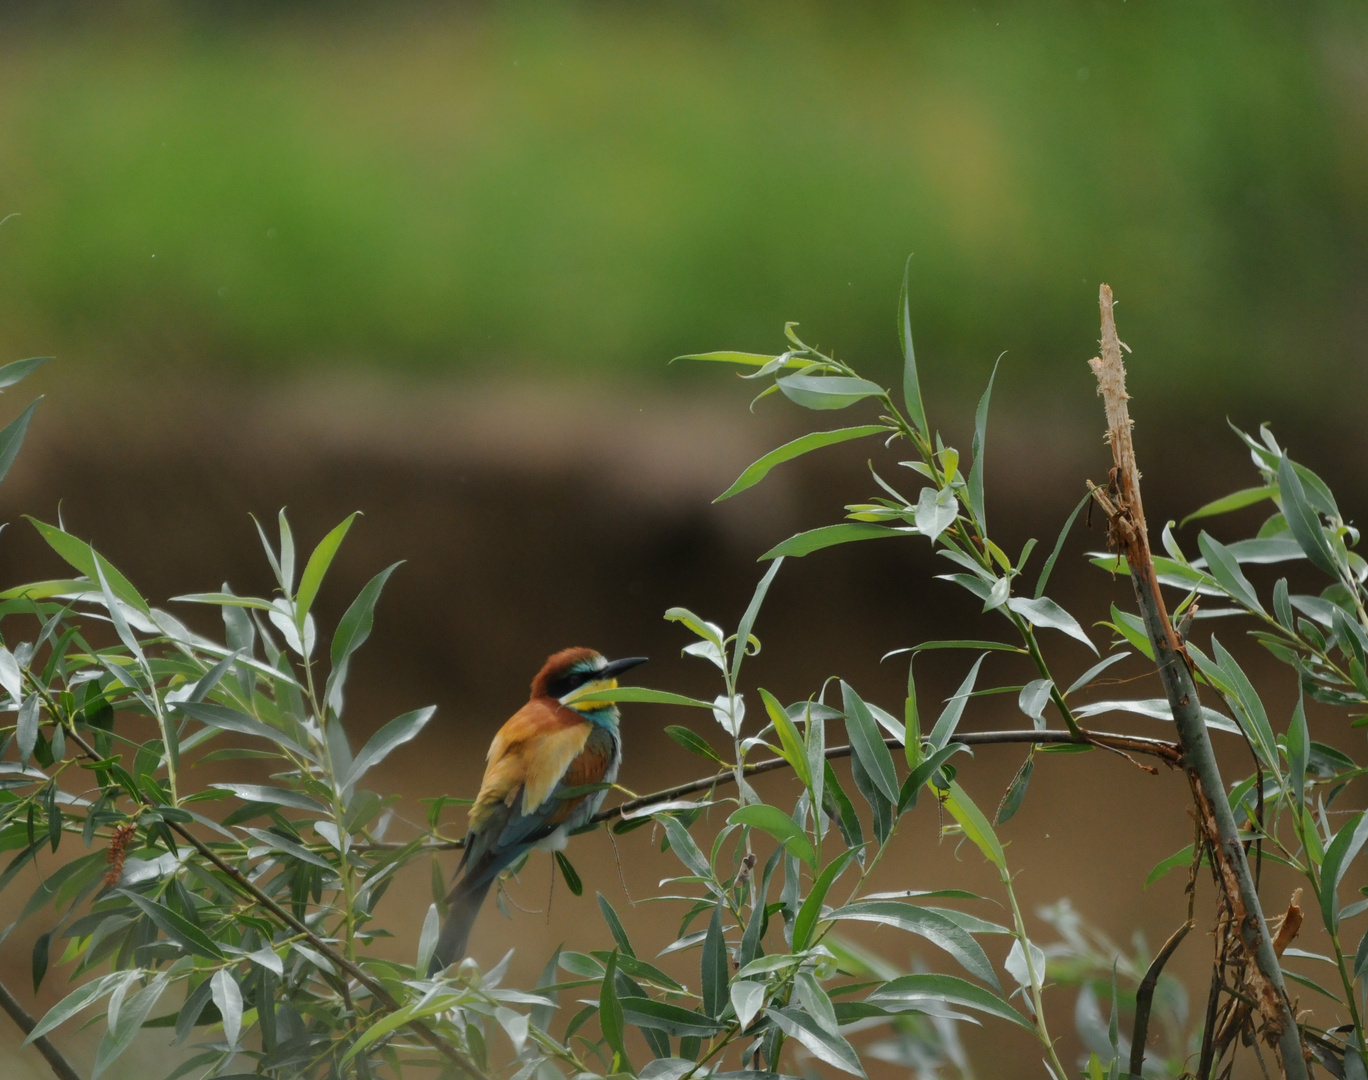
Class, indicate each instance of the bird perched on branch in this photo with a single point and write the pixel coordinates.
(551, 746)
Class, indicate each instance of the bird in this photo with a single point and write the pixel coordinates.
(552, 745)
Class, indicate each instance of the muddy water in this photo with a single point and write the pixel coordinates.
(536, 517)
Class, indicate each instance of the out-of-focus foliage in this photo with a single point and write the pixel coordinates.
(608, 184)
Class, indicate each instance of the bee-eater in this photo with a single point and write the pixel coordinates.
(547, 747)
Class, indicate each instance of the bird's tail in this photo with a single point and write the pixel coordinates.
(463, 906)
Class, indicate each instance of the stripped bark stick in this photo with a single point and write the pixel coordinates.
(1126, 514)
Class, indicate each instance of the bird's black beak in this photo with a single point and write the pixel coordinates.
(614, 668)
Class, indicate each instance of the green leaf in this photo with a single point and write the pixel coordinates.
(640, 695)
(1226, 570)
(682, 844)
(949, 718)
(134, 1012)
(743, 630)
(12, 436)
(80, 998)
(274, 796)
(1016, 791)
(912, 395)
(797, 448)
(567, 869)
(80, 555)
(974, 492)
(840, 809)
(693, 742)
(615, 927)
(790, 742)
(1132, 628)
(1248, 706)
(317, 567)
(1059, 546)
(1096, 670)
(671, 1019)
(611, 1020)
(1298, 747)
(811, 912)
(1237, 500)
(224, 599)
(1303, 520)
(352, 633)
(975, 825)
(805, 543)
(179, 929)
(908, 992)
(868, 743)
(1346, 845)
(923, 922)
(922, 774)
(715, 966)
(1043, 611)
(772, 820)
(936, 511)
(226, 719)
(825, 1045)
(228, 998)
(16, 371)
(726, 357)
(822, 392)
(394, 734)
(1173, 862)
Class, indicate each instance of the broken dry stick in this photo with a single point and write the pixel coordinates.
(1125, 512)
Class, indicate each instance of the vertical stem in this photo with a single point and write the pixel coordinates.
(1036, 980)
(1199, 759)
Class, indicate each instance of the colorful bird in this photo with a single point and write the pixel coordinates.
(547, 747)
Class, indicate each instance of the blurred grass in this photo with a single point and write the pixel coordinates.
(526, 187)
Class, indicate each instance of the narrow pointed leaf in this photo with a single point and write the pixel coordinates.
(1303, 519)
(949, 718)
(317, 567)
(909, 991)
(1043, 611)
(805, 543)
(12, 436)
(772, 820)
(912, 395)
(397, 732)
(823, 392)
(810, 914)
(814, 441)
(975, 489)
(868, 743)
(931, 925)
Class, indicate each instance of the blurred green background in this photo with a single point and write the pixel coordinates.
(430, 260)
(435, 188)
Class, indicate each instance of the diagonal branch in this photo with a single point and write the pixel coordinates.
(1127, 518)
(60, 1066)
(1166, 752)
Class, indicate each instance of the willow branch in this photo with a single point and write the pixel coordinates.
(1126, 515)
(264, 900)
(42, 1044)
(1166, 752)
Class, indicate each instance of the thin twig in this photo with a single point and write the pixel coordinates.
(42, 1044)
(1127, 521)
(1166, 751)
(1144, 997)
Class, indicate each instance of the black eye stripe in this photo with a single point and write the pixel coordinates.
(571, 680)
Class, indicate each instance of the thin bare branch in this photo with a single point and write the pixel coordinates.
(59, 1065)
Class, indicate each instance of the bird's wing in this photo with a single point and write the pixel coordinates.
(530, 754)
